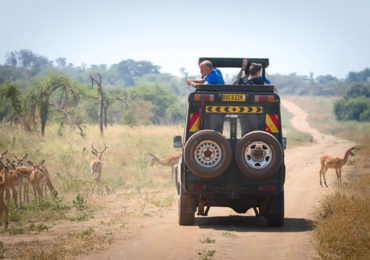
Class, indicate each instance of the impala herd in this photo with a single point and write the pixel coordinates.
(16, 177)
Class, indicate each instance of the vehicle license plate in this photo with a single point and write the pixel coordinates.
(234, 97)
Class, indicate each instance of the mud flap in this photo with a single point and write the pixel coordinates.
(187, 204)
(186, 210)
(275, 211)
(276, 206)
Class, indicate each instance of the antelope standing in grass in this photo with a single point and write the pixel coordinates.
(12, 181)
(39, 177)
(328, 161)
(25, 171)
(170, 161)
(47, 182)
(96, 164)
(3, 207)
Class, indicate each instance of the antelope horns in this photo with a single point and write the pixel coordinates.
(105, 148)
(93, 149)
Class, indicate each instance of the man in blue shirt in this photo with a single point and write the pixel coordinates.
(211, 75)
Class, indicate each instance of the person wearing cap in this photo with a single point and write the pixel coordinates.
(211, 75)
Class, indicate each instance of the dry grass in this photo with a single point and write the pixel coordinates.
(62, 224)
(321, 116)
(343, 219)
(130, 188)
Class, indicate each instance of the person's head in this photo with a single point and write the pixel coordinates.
(206, 68)
(255, 69)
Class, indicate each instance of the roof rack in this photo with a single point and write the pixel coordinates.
(234, 62)
(236, 88)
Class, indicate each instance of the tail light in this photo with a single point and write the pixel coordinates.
(271, 188)
(197, 187)
(204, 97)
(264, 98)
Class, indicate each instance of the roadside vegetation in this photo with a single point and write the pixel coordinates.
(86, 216)
(342, 220)
(321, 117)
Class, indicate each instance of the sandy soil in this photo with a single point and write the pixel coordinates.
(227, 235)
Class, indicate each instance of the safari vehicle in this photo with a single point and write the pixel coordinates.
(233, 150)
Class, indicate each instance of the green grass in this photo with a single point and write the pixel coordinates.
(86, 232)
(228, 234)
(206, 254)
(207, 240)
(38, 228)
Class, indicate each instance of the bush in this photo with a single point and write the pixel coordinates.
(352, 109)
(365, 116)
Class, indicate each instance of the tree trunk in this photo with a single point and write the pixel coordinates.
(105, 117)
(44, 106)
(101, 101)
(101, 110)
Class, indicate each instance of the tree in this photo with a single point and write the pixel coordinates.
(10, 97)
(352, 109)
(101, 97)
(11, 59)
(159, 97)
(128, 69)
(55, 83)
(358, 89)
(25, 57)
(61, 62)
(362, 76)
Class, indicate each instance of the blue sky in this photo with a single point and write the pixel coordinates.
(323, 37)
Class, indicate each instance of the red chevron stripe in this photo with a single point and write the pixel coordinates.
(193, 118)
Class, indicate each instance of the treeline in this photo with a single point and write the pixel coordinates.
(353, 91)
(35, 90)
(324, 85)
(21, 66)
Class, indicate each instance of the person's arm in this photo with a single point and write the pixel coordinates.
(244, 66)
(193, 82)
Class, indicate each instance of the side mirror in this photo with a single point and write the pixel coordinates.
(284, 143)
(177, 141)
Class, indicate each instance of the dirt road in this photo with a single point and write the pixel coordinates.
(227, 235)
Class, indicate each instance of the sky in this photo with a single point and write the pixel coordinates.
(318, 36)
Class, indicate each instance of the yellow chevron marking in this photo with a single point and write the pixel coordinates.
(234, 109)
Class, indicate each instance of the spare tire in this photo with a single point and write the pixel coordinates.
(258, 154)
(207, 154)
